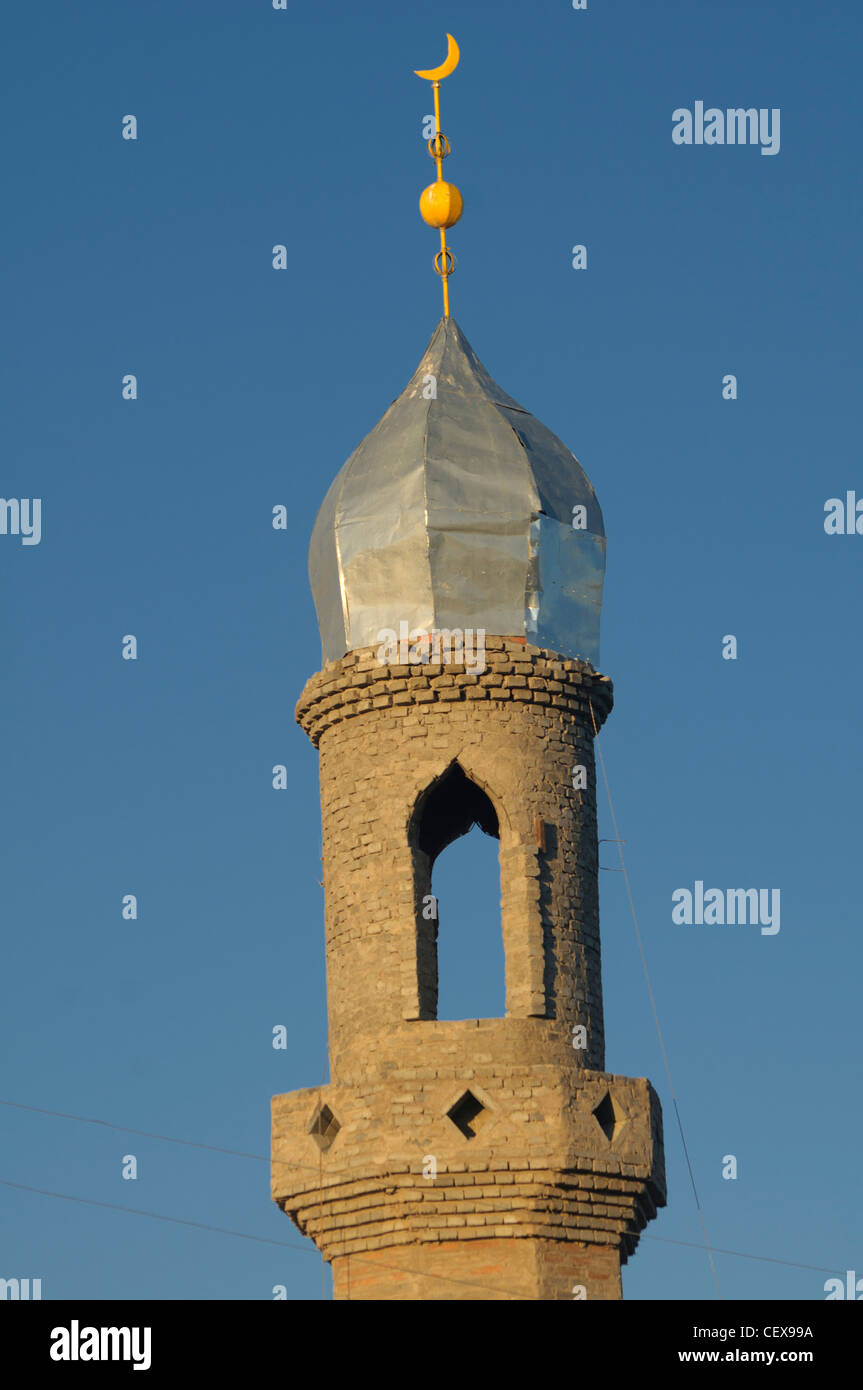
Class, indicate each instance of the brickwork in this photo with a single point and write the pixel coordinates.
(553, 1167)
(485, 1270)
(385, 733)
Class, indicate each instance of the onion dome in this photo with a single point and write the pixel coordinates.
(459, 510)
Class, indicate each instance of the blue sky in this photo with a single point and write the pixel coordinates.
(153, 777)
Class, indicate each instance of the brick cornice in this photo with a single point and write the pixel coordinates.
(359, 684)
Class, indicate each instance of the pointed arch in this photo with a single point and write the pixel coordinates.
(444, 811)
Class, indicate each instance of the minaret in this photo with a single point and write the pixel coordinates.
(457, 564)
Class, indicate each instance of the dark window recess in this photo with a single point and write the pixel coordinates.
(460, 962)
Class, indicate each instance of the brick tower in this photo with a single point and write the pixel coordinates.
(479, 1158)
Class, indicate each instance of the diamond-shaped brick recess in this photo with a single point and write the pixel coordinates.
(324, 1127)
(609, 1117)
(468, 1114)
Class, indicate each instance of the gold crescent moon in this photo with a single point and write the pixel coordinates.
(449, 64)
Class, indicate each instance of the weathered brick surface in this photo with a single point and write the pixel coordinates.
(483, 1269)
(566, 1165)
(374, 768)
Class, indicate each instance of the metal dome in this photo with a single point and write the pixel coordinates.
(457, 511)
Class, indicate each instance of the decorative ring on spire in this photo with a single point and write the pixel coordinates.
(449, 262)
(439, 146)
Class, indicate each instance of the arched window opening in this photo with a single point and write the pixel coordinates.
(459, 940)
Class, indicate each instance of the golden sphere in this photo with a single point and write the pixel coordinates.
(441, 204)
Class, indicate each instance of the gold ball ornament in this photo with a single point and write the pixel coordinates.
(441, 204)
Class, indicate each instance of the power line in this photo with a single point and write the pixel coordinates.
(154, 1216)
(653, 1001)
(263, 1158)
(244, 1235)
(150, 1134)
(379, 1264)
(127, 1129)
(717, 1249)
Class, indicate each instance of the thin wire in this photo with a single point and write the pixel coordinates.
(166, 1138)
(191, 1143)
(127, 1129)
(379, 1264)
(243, 1235)
(653, 1001)
(154, 1215)
(718, 1250)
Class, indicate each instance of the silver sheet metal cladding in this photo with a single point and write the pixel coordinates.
(456, 511)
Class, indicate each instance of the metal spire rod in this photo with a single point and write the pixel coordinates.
(441, 203)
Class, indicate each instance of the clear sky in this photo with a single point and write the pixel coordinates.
(153, 777)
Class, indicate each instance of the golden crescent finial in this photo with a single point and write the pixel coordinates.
(449, 64)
